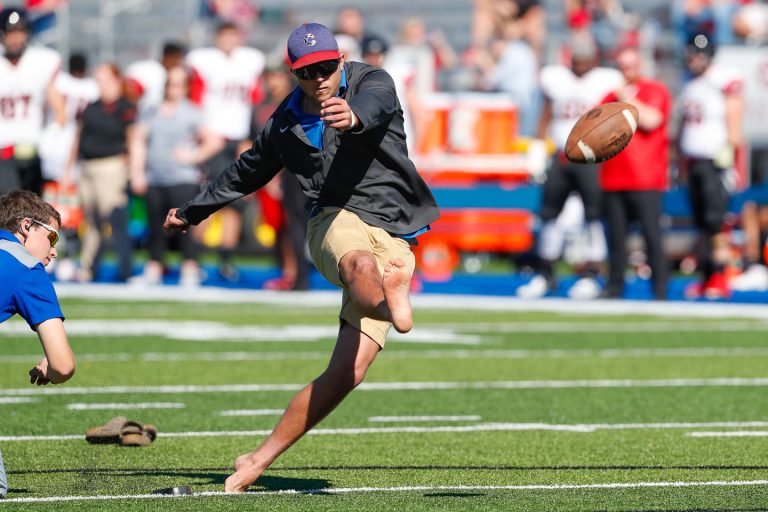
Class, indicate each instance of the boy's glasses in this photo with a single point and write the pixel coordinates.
(53, 235)
(315, 71)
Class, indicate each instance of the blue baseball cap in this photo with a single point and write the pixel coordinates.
(311, 43)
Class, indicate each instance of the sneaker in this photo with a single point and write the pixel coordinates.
(716, 287)
(586, 288)
(536, 288)
(754, 279)
(145, 279)
(189, 278)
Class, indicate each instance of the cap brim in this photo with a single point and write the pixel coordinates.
(314, 58)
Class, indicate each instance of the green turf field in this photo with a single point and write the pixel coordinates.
(473, 411)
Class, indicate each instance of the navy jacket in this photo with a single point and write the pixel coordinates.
(365, 170)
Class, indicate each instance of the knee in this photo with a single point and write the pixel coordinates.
(346, 377)
(355, 264)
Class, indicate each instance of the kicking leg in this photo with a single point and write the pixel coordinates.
(379, 297)
(352, 356)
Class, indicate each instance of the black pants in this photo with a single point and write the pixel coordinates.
(21, 174)
(621, 208)
(295, 227)
(564, 178)
(159, 201)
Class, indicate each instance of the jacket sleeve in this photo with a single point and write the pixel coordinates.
(254, 169)
(375, 101)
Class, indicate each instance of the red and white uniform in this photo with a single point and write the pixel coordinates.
(149, 77)
(56, 141)
(571, 95)
(23, 95)
(227, 87)
(704, 130)
(643, 164)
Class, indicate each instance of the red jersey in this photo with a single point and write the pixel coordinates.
(643, 165)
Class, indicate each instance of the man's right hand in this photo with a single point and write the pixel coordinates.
(173, 222)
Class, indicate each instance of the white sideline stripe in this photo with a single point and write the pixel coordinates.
(747, 433)
(18, 400)
(216, 332)
(252, 412)
(400, 386)
(316, 299)
(483, 427)
(410, 488)
(121, 406)
(606, 353)
(406, 419)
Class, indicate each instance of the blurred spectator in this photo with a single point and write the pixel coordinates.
(102, 144)
(711, 130)
(633, 180)
(515, 71)
(494, 20)
(349, 47)
(226, 83)
(569, 93)
(78, 91)
(714, 17)
(243, 14)
(604, 19)
(146, 79)
(373, 50)
(27, 76)
(167, 144)
(750, 22)
(56, 143)
(351, 22)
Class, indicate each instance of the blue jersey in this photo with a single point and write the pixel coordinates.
(25, 287)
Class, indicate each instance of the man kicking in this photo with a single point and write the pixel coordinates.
(341, 133)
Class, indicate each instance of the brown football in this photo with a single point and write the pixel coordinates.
(601, 133)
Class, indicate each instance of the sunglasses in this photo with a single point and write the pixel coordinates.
(53, 235)
(315, 71)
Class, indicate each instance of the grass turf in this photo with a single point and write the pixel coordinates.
(450, 470)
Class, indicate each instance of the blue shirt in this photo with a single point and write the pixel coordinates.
(25, 287)
(312, 125)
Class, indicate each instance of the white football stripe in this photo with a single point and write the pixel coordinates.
(630, 119)
(589, 155)
(18, 400)
(746, 433)
(405, 419)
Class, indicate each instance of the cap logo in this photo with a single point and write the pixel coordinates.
(309, 40)
(13, 18)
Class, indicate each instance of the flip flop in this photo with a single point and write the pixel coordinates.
(107, 433)
(136, 434)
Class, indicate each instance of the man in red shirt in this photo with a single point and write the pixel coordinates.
(633, 181)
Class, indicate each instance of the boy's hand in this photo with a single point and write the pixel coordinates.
(39, 374)
(173, 222)
(336, 113)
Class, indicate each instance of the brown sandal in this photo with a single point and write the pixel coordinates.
(136, 434)
(107, 433)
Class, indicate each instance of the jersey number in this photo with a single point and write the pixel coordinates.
(15, 106)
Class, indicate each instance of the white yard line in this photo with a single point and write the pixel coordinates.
(121, 406)
(410, 488)
(317, 299)
(747, 433)
(606, 353)
(400, 386)
(18, 400)
(406, 419)
(252, 412)
(482, 427)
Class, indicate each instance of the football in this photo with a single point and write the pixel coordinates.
(601, 133)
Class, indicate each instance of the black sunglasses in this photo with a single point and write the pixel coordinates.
(315, 71)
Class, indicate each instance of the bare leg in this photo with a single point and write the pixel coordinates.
(381, 298)
(352, 356)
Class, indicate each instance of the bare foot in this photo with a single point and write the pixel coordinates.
(397, 287)
(246, 473)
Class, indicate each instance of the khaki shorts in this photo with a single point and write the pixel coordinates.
(334, 232)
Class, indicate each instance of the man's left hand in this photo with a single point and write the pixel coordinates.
(336, 113)
(39, 374)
